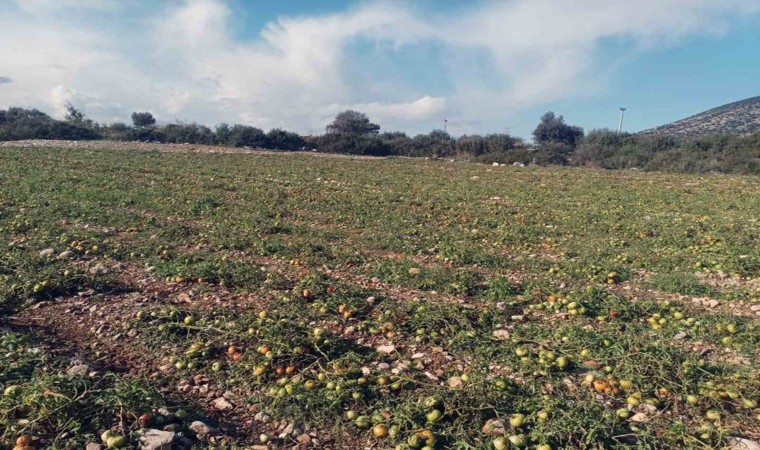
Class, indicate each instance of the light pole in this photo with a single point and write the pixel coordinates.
(445, 124)
(620, 124)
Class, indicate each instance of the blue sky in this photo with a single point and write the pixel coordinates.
(486, 66)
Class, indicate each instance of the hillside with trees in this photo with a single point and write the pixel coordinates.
(555, 142)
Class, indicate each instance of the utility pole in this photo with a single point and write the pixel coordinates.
(620, 124)
(445, 124)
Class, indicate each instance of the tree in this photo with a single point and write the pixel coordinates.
(73, 114)
(143, 119)
(353, 144)
(284, 140)
(554, 129)
(437, 144)
(398, 142)
(247, 136)
(352, 122)
(222, 134)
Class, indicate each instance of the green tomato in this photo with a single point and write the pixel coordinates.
(517, 420)
(116, 442)
(434, 416)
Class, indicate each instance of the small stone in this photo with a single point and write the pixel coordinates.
(679, 336)
(415, 271)
(386, 348)
(712, 303)
(262, 417)
(94, 446)
(518, 318)
(173, 427)
(501, 334)
(222, 404)
(639, 417)
(183, 298)
(78, 370)
(98, 269)
(47, 252)
(737, 443)
(201, 428)
(304, 438)
(157, 440)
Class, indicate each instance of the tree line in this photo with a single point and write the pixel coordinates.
(351, 132)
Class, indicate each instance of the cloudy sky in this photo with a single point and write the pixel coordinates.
(485, 66)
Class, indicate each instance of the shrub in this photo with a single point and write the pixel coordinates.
(353, 144)
(279, 139)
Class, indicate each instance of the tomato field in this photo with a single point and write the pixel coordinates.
(293, 301)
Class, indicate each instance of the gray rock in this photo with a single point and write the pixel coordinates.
(68, 254)
(201, 428)
(78, 370)
(261, 416)
(47, 252)
(389, 348)
(173, 427)
(292, 429)
(737, 443)
(94, 446)
(98, 269)
(157, 440)
(222, 404)
(501, 334)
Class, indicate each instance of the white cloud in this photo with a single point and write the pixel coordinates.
(424, 108)
(186, 62)
(46, 7)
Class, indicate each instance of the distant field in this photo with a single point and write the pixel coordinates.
(381, 303)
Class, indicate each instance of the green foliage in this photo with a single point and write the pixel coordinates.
(279, 139)
(352, 122)
(352, 133)
(143, 119)
(553, 128)
(729, 154)
(19, 123)
(525, 281)
(354, 144)
(180, 133)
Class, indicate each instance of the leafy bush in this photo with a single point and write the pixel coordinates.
(437, 144)
(19, 123)
(553, 128)
(280, 139)
(610, 150)
(192, 133)
(353, 144)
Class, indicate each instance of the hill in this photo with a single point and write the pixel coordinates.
(742, 117)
